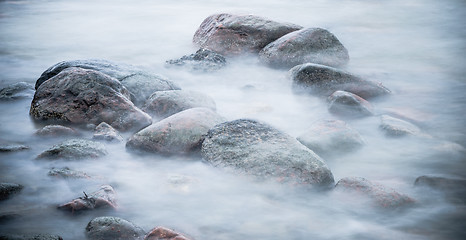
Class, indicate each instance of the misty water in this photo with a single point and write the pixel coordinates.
(416, 48)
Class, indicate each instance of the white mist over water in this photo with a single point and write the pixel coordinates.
(415, 47)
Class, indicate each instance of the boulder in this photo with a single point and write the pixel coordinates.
(31, 237)
(162, 233)
(230, 34)
(66, 173)
(323, 80)
(105, 197)
(113, 228)
(346, 104)
(75, 149)
(394, 127)
(8, 189)
(7, 146)
(17, 91)
(104, 131)
(180, 133)
(56, 131)
(257, 149)
(82, 96)
(203, 60)
(309, 45)
(162, 104)
(329, 137)
(377, 194)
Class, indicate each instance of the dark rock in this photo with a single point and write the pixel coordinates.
(17, 91)
(31, 237)
(66, 172)
(106, 132)
(258, 149)
(7, 146)
(75, 149)
(56, 130)
(165, 103)
(83, 96)
(454, 189)
(113, 228)
(331, 137)
(162, 233)
(323, 80)
(180, 133)
(395, 127)
(349, 105)
(239, 34)
(310, 45)
(203, 60)
(378, 194)
(8, 189)
(105, 197)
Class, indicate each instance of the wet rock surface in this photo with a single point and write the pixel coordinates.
(30, 237)
(105, 197)
(203, 60)
(180, 133)
(394, 127)
(82, 96)
(322, 80)
(17, 91)
(166, 103)
(113, 228)
(67, 173)
(162, 233)
(309, 45)
(230, 34)
(56, 131)
(74, 149)
(105, 132)
(258, 149)
(7, 146)
(346, 104)
(9, 189)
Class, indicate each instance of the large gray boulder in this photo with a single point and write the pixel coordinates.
(17, 91)
(323, 80)
(113, 228)
(258, 149)
(82, 96)
(230, 34)
(75, 149)
(346, 104)
(310, 45)
(180, 133)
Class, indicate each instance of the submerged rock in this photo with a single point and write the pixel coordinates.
(9, 189)
(166, 103)
(454, 189)
(74, 149)
(310, 45)
(7, 146)
(162, 233)
(66, 172)
(203, 60)
(105, 197)
(330, 137)
(258, 149)
(349, 105)
(113, 228)
(17, 91)
(239, 34)
(56, 130)
(323, 80)
(180, 133)
(104, 131)
(31, 237)
(82, 96)
(395, 127)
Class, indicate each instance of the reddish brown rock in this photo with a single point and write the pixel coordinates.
(161, 233)
(346, 104)
(104, 197)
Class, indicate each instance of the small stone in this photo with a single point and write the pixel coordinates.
(7, 146)
(349, 105)
(394, 127)
(106, 132)
(203, 60)
(162, 233)
(17, 91)
(8, 189)
(66, 172)
(56, 131)
(104, 197)
(74, 149)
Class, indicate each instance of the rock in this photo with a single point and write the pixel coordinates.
(8, 189)
(180, 133)
(203, 60)
(56, 130)
(7, 146)
(395, 127)
(378, 194)
(105, 197)
(66, 172)
(454, 189)
(229, 34)
(104, 131)
(113, 228)
(323, 80)
(258, 149)
(17, 91)
(82, 96)
(309, 45)
(74, 149)
(162, 233)
(166, 103)
(331, 137)
(349, 105)
(31, 237)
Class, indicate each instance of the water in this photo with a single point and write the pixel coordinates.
(415, 47)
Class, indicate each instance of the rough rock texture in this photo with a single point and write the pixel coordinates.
(238, 34)
(203, 60)
(30, 237)
(66, 172)
(56, 131)
(82, 96)
(379, 195)
(7, 146)
(17, 91)
(454, 189)
(323, 80)
(104, 197)
(8, 189)
(161, 233)
(178, 134)
(346, 104)
(310, 45)
(104, 131)
(329, 137)
(165, 103)
(113, 228)
(74, 149)
(258, 149)
(395, 127)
